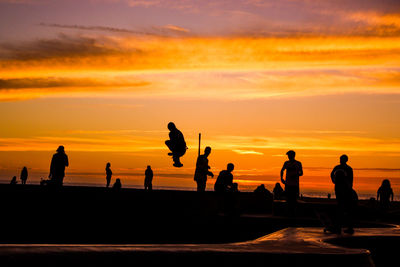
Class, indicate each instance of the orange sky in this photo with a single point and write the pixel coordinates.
(254, 89)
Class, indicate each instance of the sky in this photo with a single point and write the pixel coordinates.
(256, 78)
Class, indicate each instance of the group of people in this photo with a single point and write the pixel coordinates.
(341, 176)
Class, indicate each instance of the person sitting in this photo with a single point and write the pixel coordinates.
(224, 182)
(176, 144)
(384, 194)
(278, 192)
(117, 185)
(14, 180)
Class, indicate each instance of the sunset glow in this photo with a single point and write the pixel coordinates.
(256, 78)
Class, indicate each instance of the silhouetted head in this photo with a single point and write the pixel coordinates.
(344, 159)
(386, 183)
(108, 165)
(60, 149)
(24, 168)
(291, 154)
(148, 167)
(171, 126)
(207, 151)
(118, 181)
(277, 185)
(230, 167)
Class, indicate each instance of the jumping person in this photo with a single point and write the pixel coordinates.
(176, 144)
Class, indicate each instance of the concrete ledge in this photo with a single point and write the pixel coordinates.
(287, 247)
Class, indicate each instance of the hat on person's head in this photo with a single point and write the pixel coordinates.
(60, 149)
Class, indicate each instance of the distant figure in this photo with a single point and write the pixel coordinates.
(117, 185)
(294, 170)
(329, 195)
(57, 167)
(148, 180)
(176, 144)
(385, 193)
(202, 170)
(24, 175)
(346, 197)
(224, 182)
(43, 182)
(14, 180)
(108, 174)
(278, 191)
(263, 191)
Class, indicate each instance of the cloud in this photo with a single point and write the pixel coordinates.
(247, 152)
(175, 28)
(55, 82)
(63, 46)
(95, 28)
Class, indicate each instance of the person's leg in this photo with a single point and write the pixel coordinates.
(201, 185)
(291, 199)
(169, 145)
(150, 186)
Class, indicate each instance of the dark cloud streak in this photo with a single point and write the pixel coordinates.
(56, 82)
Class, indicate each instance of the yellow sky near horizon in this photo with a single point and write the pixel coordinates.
(252, 98)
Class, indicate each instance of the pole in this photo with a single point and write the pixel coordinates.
(199, 142)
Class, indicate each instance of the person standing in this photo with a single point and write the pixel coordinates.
(342, 178)
(24, 175)
(293, 170)
(108, 174)
(202, 170)
(148, 180)
(384, 194)
(57, 167)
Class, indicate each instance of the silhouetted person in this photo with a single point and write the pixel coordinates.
(14, 180)
(293, 172)
(329, 196)
(117, 185)
(385, 193)
(108, 174)
(342, 177)
(202, 170)
(57, 167)
(176, 144)
(24, 175)
(278, 191)
(224, 182)
(261, 190)
(148, 180)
